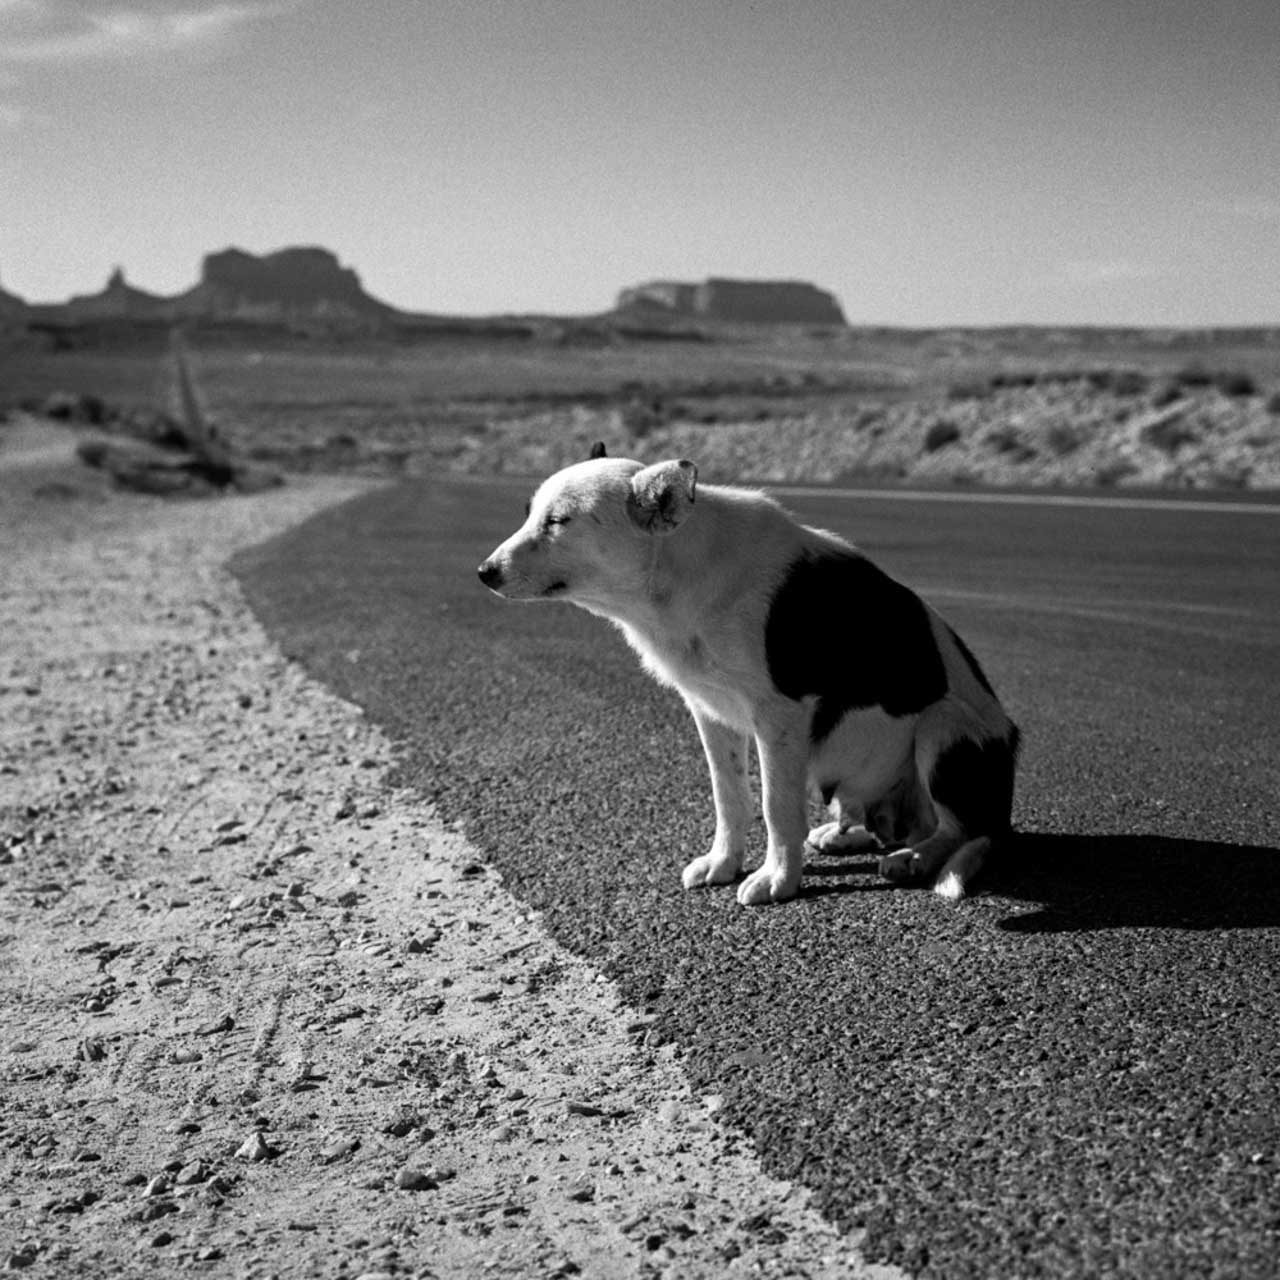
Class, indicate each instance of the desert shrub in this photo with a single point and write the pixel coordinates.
(1119, 382)
(1235, 382)
(970, 389)
(1064, 438)
(1129, 382)
(1170, 434)
(1113, 472)
(1194, 375)
(1273, 403)
(1012, 443)
(940, 434)
(1001, 380)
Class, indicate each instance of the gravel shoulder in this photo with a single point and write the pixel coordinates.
(263, 1014)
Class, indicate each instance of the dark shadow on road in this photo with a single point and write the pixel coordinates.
(1082, 882)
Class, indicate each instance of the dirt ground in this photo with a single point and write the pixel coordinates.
(264, 1016)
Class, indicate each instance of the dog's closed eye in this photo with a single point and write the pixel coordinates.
(552, 521)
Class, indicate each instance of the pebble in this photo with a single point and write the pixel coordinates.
(225, 1023)
(161, 1238)
(337, 1150)
(192, 1173)
(183, 1056)
(255, 1147)
(158, 1186)
(415, 1180)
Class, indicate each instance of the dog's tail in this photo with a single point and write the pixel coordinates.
(962, 868)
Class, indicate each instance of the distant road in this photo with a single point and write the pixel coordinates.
(1074, 1074)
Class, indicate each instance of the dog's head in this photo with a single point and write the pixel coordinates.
(588, 531)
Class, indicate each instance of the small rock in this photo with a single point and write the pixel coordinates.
(158, 1186)
(91, 1050)
(582, 1109)
(256, 1147)
(183, 1056)
(210, 1254)
(225, 1023)
(158, 1208)
(337, 1150)
(415, 1180)
(344, 810)
(192, 1173)
(161, 1238)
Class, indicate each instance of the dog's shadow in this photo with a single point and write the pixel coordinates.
(1085, 882)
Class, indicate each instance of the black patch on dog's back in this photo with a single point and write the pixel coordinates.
(974, 780)
(967, 654)
(840, 628)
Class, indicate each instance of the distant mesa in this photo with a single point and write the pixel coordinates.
(300, 285)
(290, 284)
(306, 289)
(737, 301)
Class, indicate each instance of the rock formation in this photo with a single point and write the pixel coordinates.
(305, 283)
(745, 301)
(118, 300)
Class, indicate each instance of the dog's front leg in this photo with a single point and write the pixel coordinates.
(726, 750)
(784, 767)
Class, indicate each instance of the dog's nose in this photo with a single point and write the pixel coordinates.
(490, 574)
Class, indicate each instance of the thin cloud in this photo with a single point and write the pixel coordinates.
(1255, 208)
(40, 33)
(1090, 273)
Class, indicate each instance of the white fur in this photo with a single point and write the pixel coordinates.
(689, 574)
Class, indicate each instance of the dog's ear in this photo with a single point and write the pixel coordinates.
(597, 451)
(662, 496)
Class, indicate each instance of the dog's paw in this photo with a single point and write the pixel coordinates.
(711, 868)
(901, 867)
(831, 838)
(768, 884)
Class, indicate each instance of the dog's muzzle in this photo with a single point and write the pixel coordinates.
(490, 574)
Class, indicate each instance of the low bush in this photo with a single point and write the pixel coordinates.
(1064, 438)
(940, 434)
(970, 389)
(1170, 434)
(1234, 382)
(1011, 442)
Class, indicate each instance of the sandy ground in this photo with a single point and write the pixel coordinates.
(265, 1016)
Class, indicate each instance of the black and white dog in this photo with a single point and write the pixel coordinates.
(775, 631)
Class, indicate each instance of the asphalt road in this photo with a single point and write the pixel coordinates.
(1075, 1073)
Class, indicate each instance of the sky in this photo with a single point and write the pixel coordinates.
(931, 162)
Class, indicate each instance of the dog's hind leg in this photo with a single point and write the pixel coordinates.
(844, 835)
(927, 857)
(961, 868)
(726, 751)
